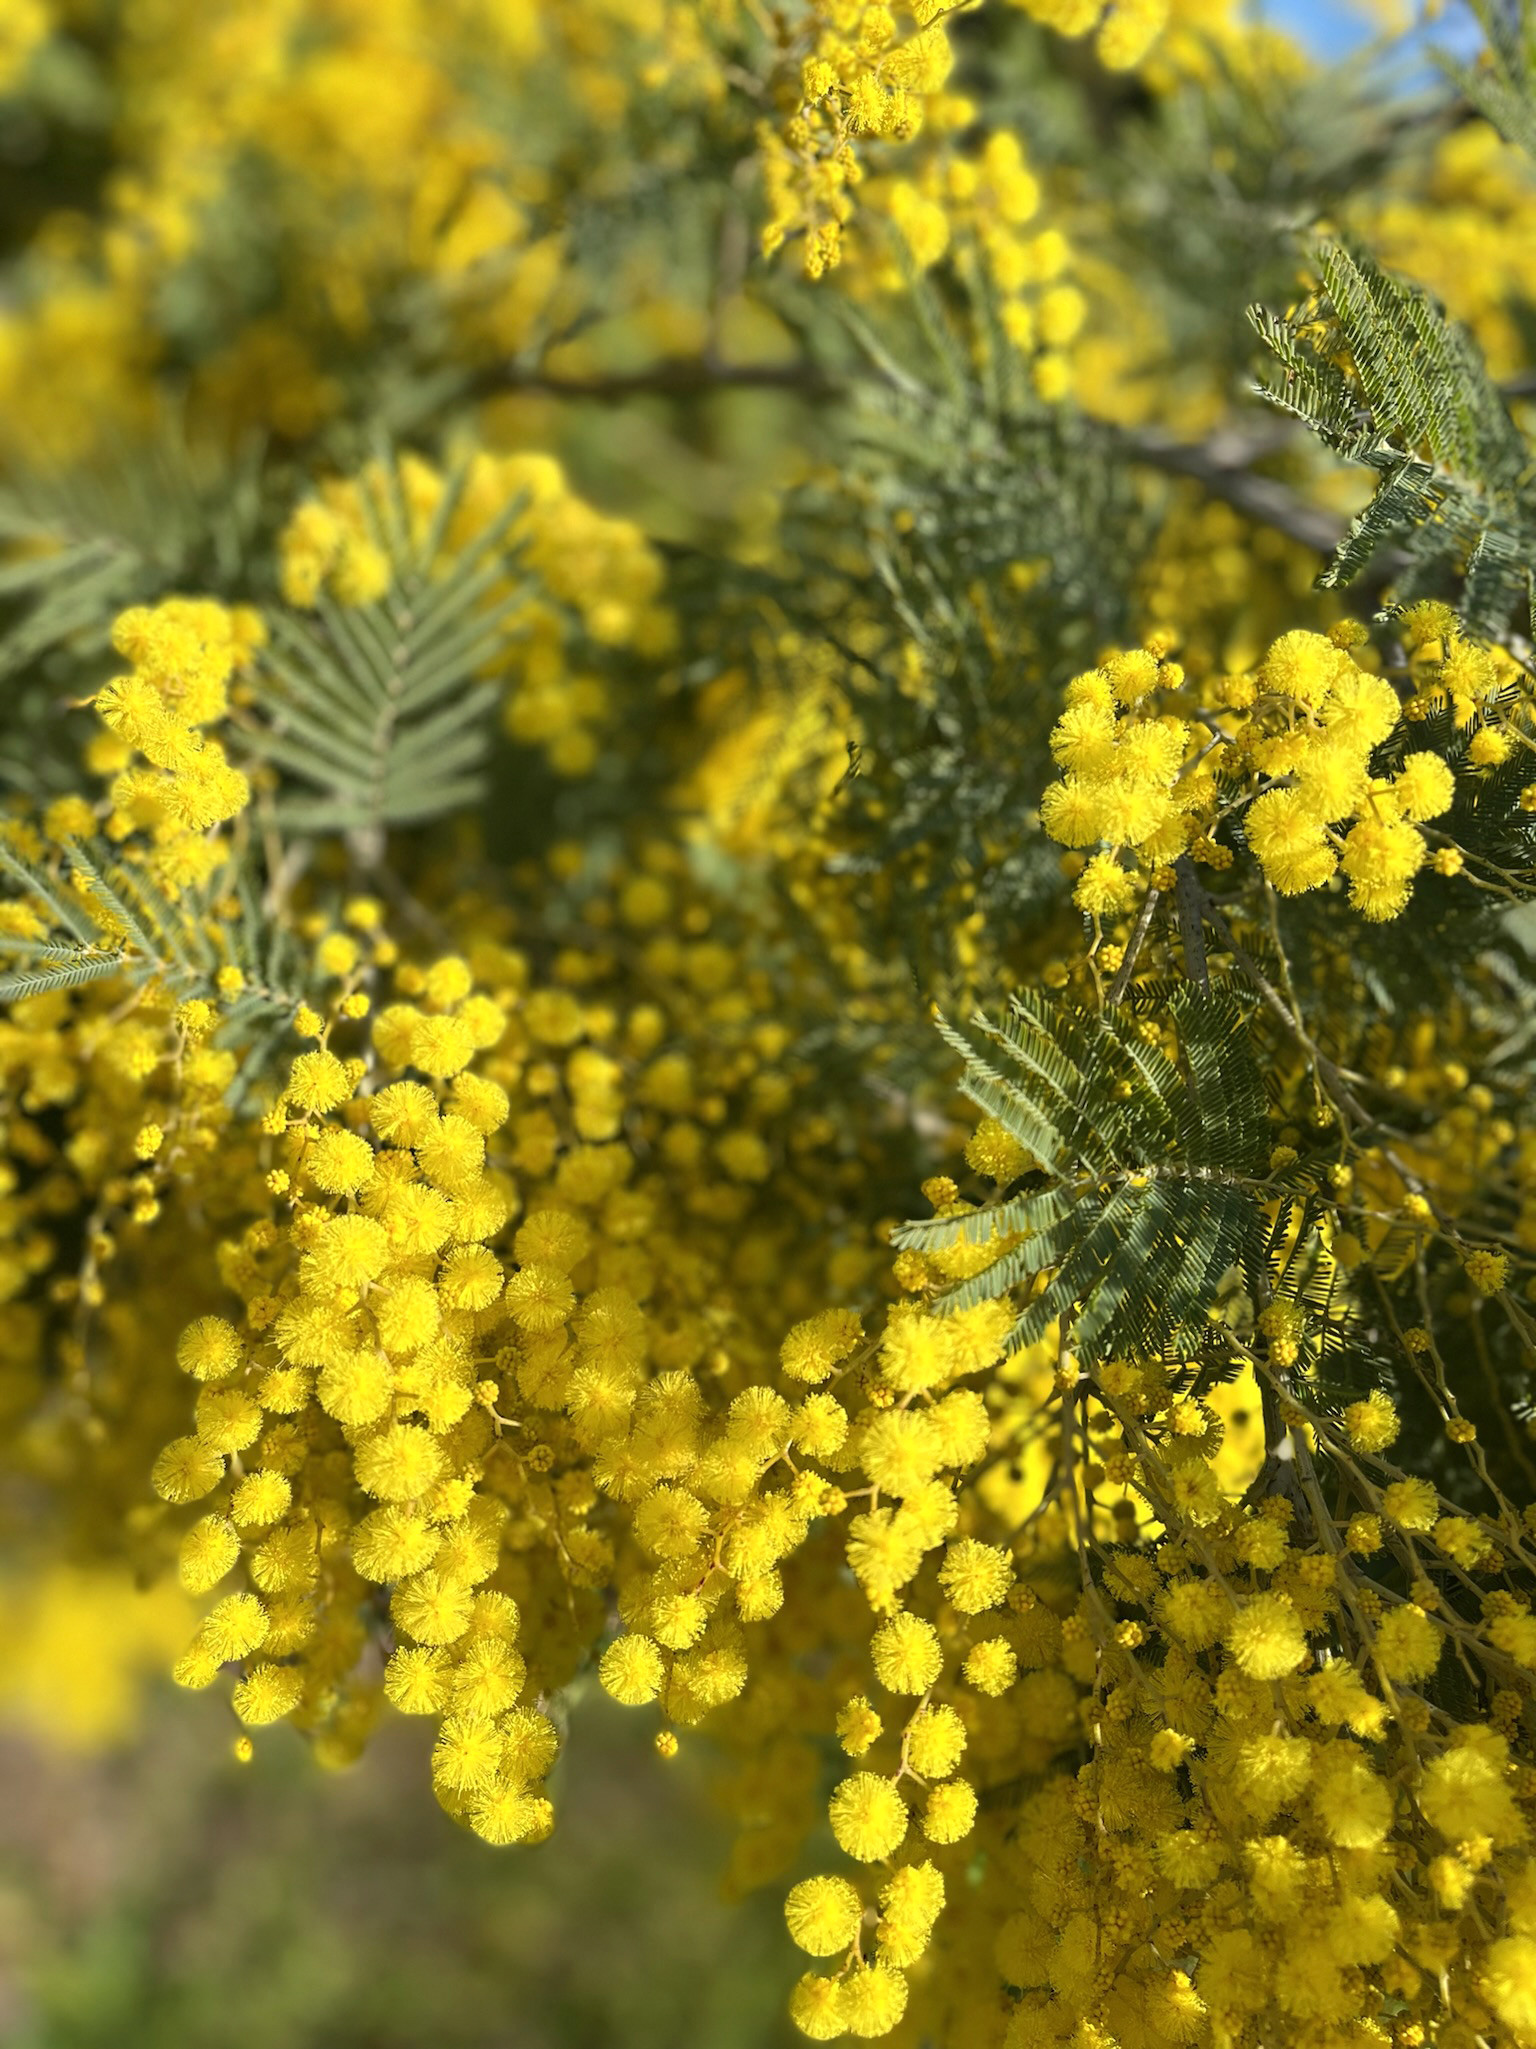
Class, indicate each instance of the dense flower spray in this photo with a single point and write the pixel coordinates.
(569, 572)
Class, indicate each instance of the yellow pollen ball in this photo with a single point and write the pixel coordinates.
(874, 2000)
(818, 2007)
(823, 1915)
(1267, 1638)
(950, 1813)
(234, 1627)
(208, 1551)
(318, 1082)
(267, 1693)
(869, 1817)
(906, 1654)
(209, 1349)
(186, 1470)
(400, 1464)
(975, 1576)
(631, 1670)
(1508, 1979)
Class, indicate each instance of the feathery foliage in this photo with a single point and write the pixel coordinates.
(1375, 369)
(1147, 1170)
(145, 518)
(468, 914)
(110, 919)
(379, 714)
(1502, 85)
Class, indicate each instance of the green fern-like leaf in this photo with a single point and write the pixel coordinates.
(1146, 1188)
(77, 546)
(379, 714)
(1502, 86)
(108, 917)
(70, 973)
(1379, 373)
(1310, 388)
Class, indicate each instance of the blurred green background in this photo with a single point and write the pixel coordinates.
(164, 1896)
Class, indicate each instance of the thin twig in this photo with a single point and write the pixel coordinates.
(1121, 983)
(1190, 900)
(676, 377)
(1222, 463)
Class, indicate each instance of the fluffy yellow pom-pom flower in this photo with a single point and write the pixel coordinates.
(869, 1817)
(823, 1915)
(1267, 1638)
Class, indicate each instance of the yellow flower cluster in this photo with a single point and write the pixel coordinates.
(1328, 813)
(114, 1092)
(852, 73)
(1295, 755)
(489, 1364)
(933, 1596)
(27, 24)
(957, 203)
(1208, 1794)
(183, 652)
(1123, 32)
(1123, 782)
(136, 1078)
(355, 1376)
(861, 79)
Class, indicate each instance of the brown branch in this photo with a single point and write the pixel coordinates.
(1222, 464)
(676, 377)
(1189, 900)
(1122, 981)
